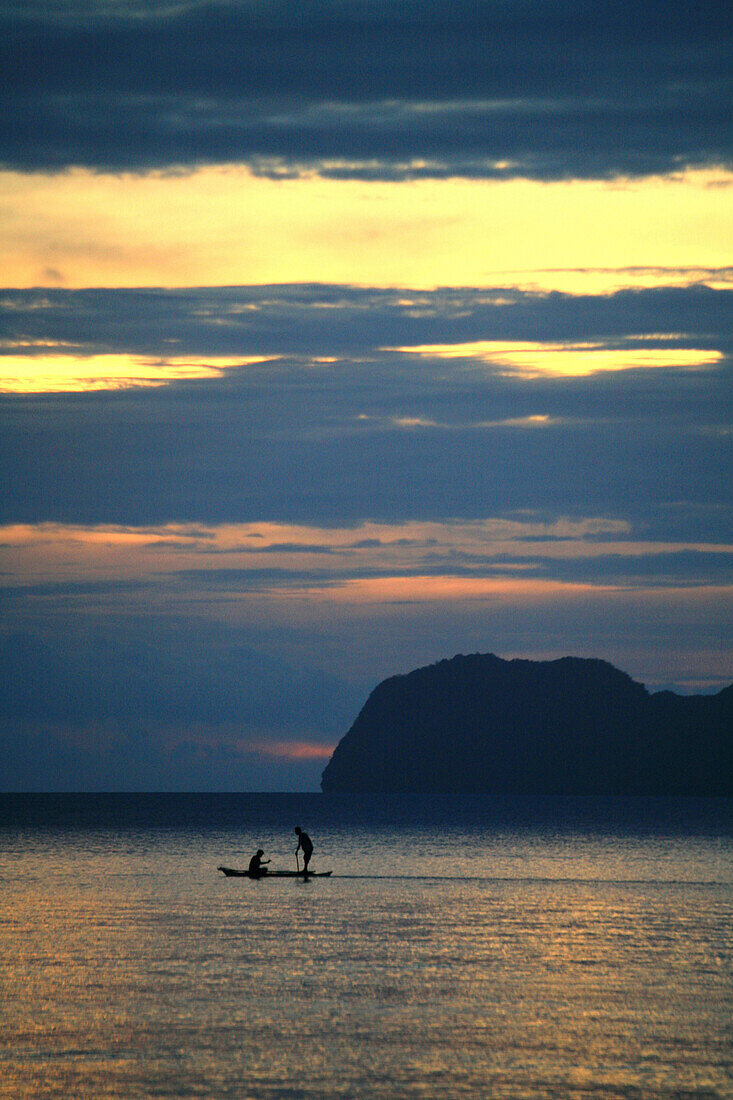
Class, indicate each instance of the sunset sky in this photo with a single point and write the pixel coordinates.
(342, 336)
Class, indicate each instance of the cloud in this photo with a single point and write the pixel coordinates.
(210, 677)
(52, 757)
(544, 90)
(111, 700)
(296, 750)
(164, 674)
(331, 320)
(111, 693)
(180, 563)
(235, 488)
(227, 456)
(331, 426)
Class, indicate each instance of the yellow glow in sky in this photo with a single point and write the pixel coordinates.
(224, 226)
(67, 373)
(70, 373)
(568, 360)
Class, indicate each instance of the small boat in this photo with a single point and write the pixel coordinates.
(232, 872)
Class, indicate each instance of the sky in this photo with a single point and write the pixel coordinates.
(340, 337)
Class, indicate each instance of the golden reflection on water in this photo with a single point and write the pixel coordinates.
(131, 969)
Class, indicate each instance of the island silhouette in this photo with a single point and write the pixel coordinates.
(573, 726)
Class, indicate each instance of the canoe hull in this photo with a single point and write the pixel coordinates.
(232, 872)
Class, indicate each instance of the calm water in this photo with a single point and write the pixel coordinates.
(461, 949)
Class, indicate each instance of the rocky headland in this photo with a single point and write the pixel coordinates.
(481, 724)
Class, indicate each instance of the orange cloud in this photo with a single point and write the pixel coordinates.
(295, 750)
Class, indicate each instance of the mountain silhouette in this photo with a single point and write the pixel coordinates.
(572, 726)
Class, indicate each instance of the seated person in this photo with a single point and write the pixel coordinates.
(257, 865)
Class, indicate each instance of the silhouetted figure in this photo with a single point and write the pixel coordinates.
(305, 845)
(257, 865)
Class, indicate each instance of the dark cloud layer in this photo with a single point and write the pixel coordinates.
(315, 319)
(119, 703)
(533, 88)
(369, 432)
(124, 673)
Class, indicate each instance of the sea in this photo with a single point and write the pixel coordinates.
(462, 947)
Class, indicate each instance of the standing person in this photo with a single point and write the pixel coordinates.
(257, 865)
(305, 845)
